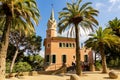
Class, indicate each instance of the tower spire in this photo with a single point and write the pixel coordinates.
(51, 31)
(52, 14)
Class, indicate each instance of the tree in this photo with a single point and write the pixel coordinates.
(98, 42)
(35, 60)
(31, 44)
(13, 12)
(113, 53)
(115, 26)
(113, 56)
(75, 16)
(22, 67)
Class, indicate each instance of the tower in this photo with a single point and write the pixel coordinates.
(51, 26)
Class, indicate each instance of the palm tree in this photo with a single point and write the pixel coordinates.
(14, 12)
(98, 42)
(75, 16)
(115, 26)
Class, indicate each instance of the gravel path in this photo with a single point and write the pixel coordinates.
(86, 76)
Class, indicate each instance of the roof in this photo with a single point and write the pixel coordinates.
(59, 39)
(62, 38)
(52, 15)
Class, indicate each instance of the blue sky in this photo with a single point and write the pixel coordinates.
(108, 10)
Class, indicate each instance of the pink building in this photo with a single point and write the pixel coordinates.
(59, 50)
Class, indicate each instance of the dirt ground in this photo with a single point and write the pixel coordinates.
(86, 76)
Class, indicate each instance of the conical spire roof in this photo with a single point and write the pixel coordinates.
(52, 15)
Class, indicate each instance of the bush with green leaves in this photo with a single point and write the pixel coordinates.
(36, 61)
(22, 67)
(8, 67)
(98, 64)
(114, 63)
(26, 63)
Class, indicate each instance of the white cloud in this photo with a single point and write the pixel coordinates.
(99, 5)
(114, 1)
(42, 53)
(119, 7)
(114, 4)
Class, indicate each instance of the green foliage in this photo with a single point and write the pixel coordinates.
(103, 38)
(10, 52)
(22, 67)
(26, 63)
(8, 67)
(115, 26)
(74, 14)
(36, 61)
(98, 42)
(98, 64)
(114, 52)
(33, 45)
(114, 62)
(30, 44)
(18, 12)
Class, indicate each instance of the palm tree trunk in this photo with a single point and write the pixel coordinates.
(3, 48)
(104, 65)
(78, 56)
(95, 58)
(13, 61)
(92, 66)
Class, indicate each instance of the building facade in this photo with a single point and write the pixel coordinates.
(59, 50)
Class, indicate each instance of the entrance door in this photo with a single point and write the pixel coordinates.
(64, 59)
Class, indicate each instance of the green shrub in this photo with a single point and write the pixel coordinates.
(114, 63)
(7, 67)
(22, 67)
(98, 64)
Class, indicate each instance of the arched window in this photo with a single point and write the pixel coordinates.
(60, 44)
(86, 58)
(63, 44)
(73, 45)
(47, 58)
(67, 45)
(70, 45)
(48, 45)
(64, 58)
(53, 58)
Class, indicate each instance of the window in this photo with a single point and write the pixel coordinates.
(48, 45)
(53, 58)
(70, 45)
(63, 44)
(86, 58)
(47, 58)
(73, 45)
(66, 44)
(73, 57)
(64, 58)
(60, 44)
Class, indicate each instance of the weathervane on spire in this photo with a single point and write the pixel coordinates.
(52, 5)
